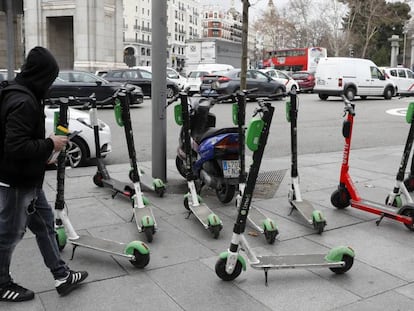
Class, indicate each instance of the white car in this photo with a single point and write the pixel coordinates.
(403, 79)
(194, 81)
(81, 148)
(291, 84)
(172, 75)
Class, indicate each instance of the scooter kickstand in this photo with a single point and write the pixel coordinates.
(265, 272)
(379, 220)
(188, 215)
(73, 251)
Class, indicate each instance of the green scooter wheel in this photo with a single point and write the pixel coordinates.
(221, 270)
(141, 253)
(61, 238)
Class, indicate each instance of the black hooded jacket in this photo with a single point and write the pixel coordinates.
(22, 119)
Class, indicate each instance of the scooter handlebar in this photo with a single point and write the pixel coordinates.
(349, 107)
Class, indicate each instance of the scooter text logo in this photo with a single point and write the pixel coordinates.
(346, 153)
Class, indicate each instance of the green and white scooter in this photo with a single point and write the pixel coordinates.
(257, 218)
(142, 211)
(192, 201)
(137, 252)
(231, 263)
(313, 216)
(144, 217)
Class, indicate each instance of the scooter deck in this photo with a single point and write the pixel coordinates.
(147, 182)
(295, 261)
(305, 208)
(373, 204)
(124, 188)
(107, 246)
(256, 218)
(201, 211)
(140, 213)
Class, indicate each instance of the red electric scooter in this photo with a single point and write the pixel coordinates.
(347, 194)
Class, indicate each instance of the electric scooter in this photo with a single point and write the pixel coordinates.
(347, 194)
(394, 198)
(230, 263)
(314, 217)
(257, 219)
(102, 177)
(144, 217)
(192, 201)
(215, 150)
(136, 251)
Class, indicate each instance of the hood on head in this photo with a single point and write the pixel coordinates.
(38, 71)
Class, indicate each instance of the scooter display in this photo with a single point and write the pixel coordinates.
(136, 251)
(347, 194)
(230, 263)
(144, 217)
(256, 218)
(214, 150)
(192, 201)
(313, 216)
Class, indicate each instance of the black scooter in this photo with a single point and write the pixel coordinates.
(143, 214)
(306, 210)
(230, 263)
(257, 218)
(136, 251)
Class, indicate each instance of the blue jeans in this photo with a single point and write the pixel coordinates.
(21, 208)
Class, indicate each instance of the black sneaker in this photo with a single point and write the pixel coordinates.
(66, 285)
(14, 293)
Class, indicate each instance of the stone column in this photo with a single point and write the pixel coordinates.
(412, 52)
(395, 45)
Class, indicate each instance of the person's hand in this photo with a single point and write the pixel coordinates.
(59, 141)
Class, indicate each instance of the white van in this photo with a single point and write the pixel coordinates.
(352, 77)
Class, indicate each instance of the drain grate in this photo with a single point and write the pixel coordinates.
(268, 183)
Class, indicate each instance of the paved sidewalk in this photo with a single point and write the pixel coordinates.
(180, 275)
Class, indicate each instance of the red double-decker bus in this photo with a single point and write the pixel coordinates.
(295, 59)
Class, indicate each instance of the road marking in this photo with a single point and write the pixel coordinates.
(401, 112)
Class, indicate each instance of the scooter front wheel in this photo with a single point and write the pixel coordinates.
(340, 199)
(97, 179)
(61, 238)
(225, 193)
(221, 270)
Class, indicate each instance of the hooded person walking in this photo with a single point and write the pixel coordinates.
(24, 151)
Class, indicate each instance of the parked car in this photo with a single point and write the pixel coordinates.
(305, 79)
(84, 84)
(141, 78)
(403, 79)
(172, 74)
(352, 77)
(4, 74)
(193, 82)
(81, 148)
(290, 83)
(227, 82)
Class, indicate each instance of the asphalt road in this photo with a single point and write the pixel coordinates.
(319, 127)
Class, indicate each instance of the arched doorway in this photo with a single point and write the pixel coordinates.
(129, 57)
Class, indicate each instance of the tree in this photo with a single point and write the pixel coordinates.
(367, 18)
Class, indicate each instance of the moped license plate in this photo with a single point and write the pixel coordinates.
(231, 168)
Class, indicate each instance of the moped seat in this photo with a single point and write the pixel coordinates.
(214, 132)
